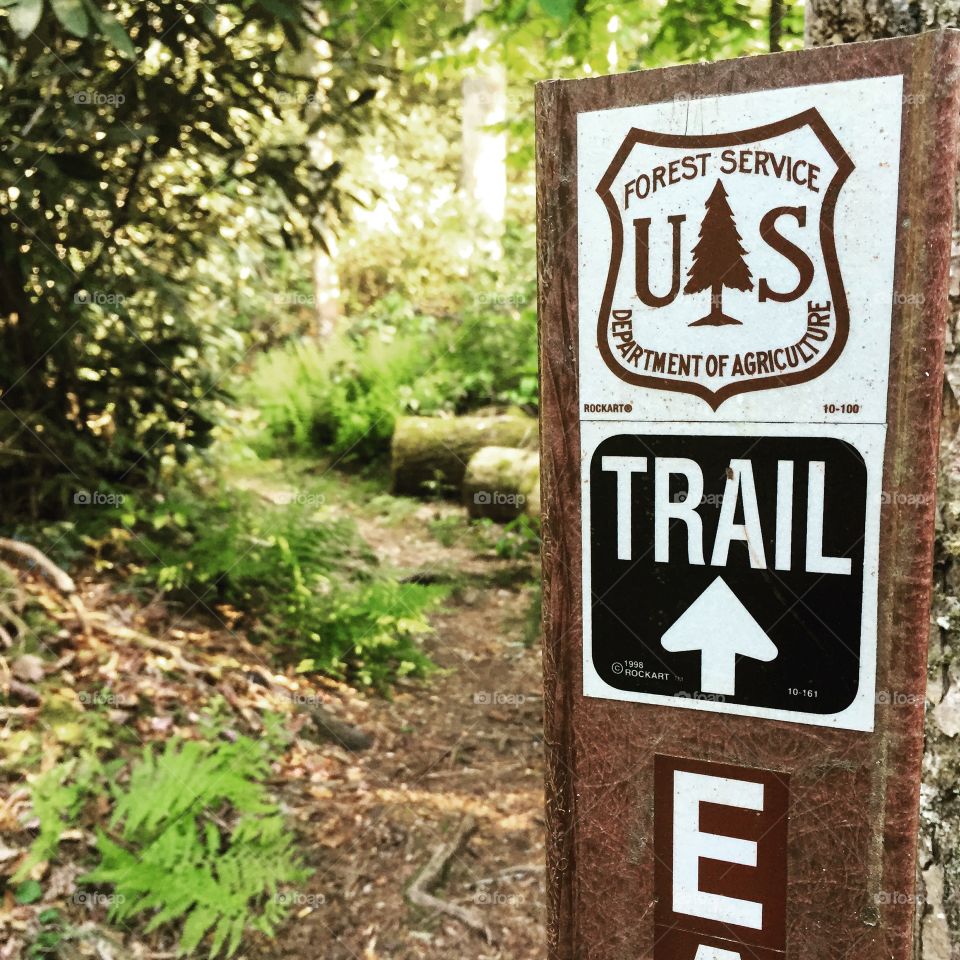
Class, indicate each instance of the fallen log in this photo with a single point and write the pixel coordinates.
(430, 454)
(501, 483)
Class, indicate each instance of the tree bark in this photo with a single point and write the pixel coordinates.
(484, 151)
(938, 931)
(776, 25)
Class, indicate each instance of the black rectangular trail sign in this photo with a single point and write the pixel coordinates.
(729, 570)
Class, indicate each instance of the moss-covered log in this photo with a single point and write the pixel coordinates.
(501, 483)
(430, 454)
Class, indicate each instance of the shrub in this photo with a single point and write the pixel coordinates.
(213, 543)
(373, 629)
(489, 356)
(194, 838)
(343, 396)
(302, 579)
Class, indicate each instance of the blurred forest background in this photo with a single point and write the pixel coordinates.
(268, 608)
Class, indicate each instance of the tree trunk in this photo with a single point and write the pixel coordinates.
(938, 934)
(484, 151)
(775, 29)
(327, 305)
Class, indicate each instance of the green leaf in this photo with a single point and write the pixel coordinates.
(28, 892)
(73, 16)
(175, 867)
(281, 9)
(558, 9)
(25, 16)
(111, 28)
(118, 36)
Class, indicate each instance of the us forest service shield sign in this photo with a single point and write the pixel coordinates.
(723, 275)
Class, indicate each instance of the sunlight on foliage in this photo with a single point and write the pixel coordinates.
(239, 244)
(344, 396)
(306, 583)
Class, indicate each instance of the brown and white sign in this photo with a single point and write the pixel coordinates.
(720, 846)
(743, 271)
(726, 241)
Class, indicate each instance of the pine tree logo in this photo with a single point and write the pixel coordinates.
(718, 259)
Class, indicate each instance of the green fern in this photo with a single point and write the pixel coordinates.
(195, 838)
(56, 797)
(307, 582)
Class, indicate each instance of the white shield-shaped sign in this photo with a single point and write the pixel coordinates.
(724, 275)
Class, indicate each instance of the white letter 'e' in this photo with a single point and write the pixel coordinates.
(690, 846)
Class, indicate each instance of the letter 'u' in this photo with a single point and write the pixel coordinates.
(641, 231)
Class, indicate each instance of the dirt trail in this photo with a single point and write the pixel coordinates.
(464, 743)
(467, 742)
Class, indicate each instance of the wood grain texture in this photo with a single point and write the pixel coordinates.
(853, 815)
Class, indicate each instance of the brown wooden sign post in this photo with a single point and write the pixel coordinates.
(743, 274)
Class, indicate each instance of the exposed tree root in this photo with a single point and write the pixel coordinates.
(61, 580)
(431, 875)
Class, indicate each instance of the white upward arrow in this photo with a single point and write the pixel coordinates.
(715, 953)
(720, 627)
